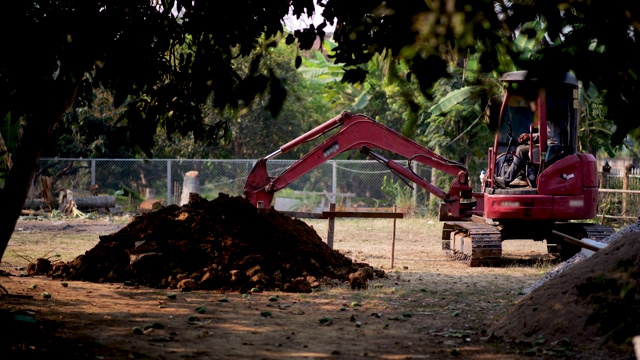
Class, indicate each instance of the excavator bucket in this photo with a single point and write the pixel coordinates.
(255, 187)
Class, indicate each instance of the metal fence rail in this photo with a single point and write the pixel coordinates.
(345, 182)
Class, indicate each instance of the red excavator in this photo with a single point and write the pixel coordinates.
(557, 188)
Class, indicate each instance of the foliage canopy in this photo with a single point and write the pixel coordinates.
(165, 59)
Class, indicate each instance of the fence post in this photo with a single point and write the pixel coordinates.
(414, 192)
(625, 186)
(332, 224)
(93, 172)
(169, 183)
(393, 238)
(334, 185)
(606, 169)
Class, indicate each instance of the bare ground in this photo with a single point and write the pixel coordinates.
(426, 307)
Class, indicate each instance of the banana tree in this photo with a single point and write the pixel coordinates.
(470, 90)
(318, 68)
(595, 129)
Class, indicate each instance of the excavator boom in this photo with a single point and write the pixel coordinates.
(362, 133)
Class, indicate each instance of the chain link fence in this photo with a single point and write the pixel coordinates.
(348, 183)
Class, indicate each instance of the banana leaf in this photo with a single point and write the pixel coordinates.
(453, 98)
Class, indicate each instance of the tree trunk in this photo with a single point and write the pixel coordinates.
(191, 184)
(66, 203)
(46, 190)
(58, 98)
(19, 179)
(95, 202)
(37, 204)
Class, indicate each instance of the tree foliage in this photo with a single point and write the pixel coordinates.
(91, 131)
(167, 59)
(595, 128)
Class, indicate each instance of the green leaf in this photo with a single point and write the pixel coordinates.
(362, 100)
(453, 98)
(391, 70)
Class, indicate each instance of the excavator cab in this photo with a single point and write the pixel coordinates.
(519, 116)
(548, 112)
(561, 184)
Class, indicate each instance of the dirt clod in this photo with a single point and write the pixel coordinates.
(358, 280)
(39, 267)
(223, 244)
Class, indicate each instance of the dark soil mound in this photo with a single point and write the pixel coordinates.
(594, 305)
(223, 244)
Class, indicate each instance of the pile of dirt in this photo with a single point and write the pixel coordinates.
(223, 244)
(595, 304)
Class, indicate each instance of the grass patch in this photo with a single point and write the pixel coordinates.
(63, 247)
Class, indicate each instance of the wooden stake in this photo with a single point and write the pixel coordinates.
(625, 186)
(393, 239)
(332, 224)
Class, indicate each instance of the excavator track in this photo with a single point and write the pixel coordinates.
(578, 231)
(476, 244)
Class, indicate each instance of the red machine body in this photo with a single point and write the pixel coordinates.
(561, 189)
(562, 184)
(567, 190)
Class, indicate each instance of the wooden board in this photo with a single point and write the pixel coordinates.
(343, 214)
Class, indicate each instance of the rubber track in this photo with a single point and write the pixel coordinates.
(486, 243)
(585, 230)
(578, 231)
(598, 232)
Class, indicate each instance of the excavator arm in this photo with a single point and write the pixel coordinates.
(363, 133)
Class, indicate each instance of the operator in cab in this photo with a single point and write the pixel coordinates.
(514, 176)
